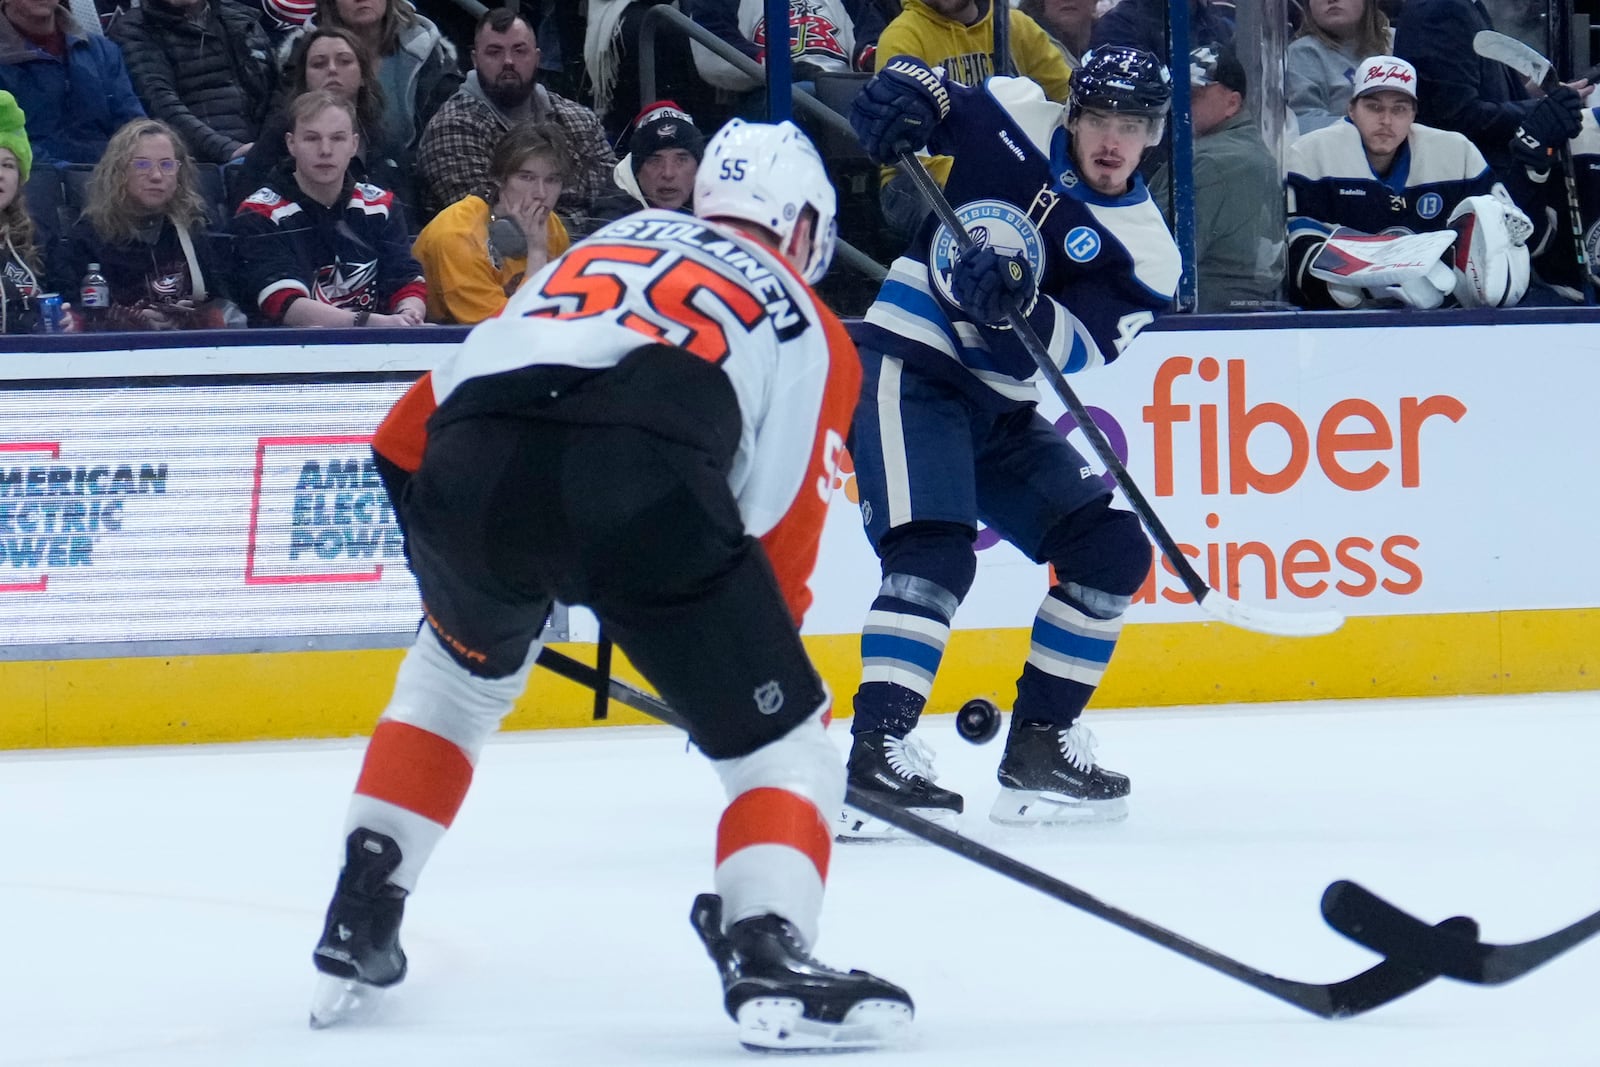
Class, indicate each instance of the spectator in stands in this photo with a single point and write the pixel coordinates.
(330, 58)
(314, 247)
(503, 90)
(146, 225)
(958, 35)
(663, 157)
(825, 35)
(416, 64)
(283, 19)
(1070, 24)
(204, 67)
(20, 265)
(1383, 173)
(1320, 66)
(73, 86)
(1238, 246)
(611, 57)
(476, 252)
(1143, 24)
(1462, 91)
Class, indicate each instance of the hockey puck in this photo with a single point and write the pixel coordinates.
(978, 721)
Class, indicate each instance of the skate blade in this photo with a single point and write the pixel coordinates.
(338, 1001)
(1023, 807)
(858, 828)
(779, 1024)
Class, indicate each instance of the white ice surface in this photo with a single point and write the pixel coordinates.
(158, 907)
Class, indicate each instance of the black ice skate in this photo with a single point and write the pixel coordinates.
(785, 1001)
(900, 770)
(1048, 777)
(359, 954)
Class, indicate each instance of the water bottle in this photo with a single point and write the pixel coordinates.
(95, 296)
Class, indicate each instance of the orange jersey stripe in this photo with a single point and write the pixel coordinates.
(792, 544)
(403, 433)
(769, 816)
(414, 769)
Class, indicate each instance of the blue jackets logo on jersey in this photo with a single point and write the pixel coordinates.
(1082, 244)
(993, 224)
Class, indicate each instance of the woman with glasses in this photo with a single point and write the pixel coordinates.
(145, 224)
(476, 252)
(330, 58)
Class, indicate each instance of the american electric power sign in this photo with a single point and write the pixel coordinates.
(1383, 471)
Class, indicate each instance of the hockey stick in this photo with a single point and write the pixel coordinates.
(1537, 69)
(1370, 989)
(1248, 616)
(1369, 920)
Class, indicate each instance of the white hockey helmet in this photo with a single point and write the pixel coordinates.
(769, 174)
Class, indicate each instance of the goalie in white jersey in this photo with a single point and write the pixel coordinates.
(650, 429)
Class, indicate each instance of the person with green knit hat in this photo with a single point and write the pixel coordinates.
(19, 257)
(13, 135)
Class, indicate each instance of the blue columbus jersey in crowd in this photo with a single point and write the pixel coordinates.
(1105, 266)
(1331, 184)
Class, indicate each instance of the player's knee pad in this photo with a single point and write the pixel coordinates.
(435, 693)
(802, 761)
(1099, 550)
(932, 561)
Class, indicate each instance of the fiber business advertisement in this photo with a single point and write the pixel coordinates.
(1383, 471)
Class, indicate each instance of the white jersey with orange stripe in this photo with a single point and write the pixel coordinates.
(660, 276)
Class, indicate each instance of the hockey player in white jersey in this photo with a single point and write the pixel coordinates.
(947, 433)
(650, 429)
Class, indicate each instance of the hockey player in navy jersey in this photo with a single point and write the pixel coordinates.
(947, 434)
(1382, 174)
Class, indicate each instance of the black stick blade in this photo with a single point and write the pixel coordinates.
(1369, 920)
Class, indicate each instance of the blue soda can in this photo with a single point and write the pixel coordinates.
(50, 316)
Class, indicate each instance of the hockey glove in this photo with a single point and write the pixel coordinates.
(1551, 123)
(987, 284)
(897, 110)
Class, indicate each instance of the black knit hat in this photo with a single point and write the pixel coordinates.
(664, 125)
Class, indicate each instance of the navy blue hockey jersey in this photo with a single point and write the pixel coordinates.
(1331, 184)
(1105, 266)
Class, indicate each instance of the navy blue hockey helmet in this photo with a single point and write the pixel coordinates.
(1125, 80)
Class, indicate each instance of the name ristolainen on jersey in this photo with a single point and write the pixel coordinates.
(780, 310)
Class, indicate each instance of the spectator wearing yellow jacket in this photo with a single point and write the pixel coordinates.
(958, 35)
(477, 252)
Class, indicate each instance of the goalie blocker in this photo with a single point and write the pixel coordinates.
(1480, 261)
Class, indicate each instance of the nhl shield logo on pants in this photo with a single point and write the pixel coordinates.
(769, 697)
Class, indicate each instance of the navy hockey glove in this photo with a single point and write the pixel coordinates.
(987, 284)
(1553, 122)
(897, 110)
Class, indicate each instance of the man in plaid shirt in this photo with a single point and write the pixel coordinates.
(453, 156)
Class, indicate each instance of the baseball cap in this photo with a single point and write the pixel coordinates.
(1215, 64)
(1385, 73)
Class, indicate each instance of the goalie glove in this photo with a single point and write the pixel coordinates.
(1491, 257)
(1405, 268)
